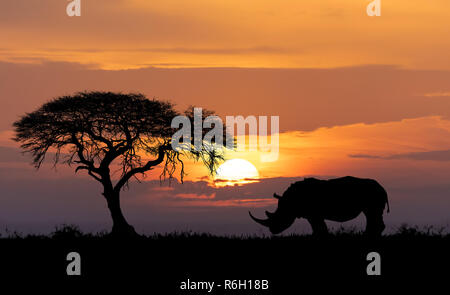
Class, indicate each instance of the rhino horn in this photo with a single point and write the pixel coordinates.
(276, 196)
(264, 222)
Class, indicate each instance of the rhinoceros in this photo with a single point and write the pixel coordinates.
(339, 199)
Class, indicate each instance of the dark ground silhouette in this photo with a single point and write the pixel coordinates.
(288, 262)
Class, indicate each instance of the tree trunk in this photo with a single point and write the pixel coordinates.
(120, 228)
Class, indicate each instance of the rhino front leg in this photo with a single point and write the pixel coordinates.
(318, 225)
(375, 224)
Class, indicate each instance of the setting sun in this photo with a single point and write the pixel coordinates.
(236, 171)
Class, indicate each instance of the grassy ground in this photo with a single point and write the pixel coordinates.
(71, 232)
(288, 262)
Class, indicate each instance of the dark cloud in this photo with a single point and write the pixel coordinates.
(32, 202)
(105, 22)
(364, 156)
(9, 155)
(305, 99)
(16, 155)
(193, 50)
(425, 156)
(441, 156)
(263, 189)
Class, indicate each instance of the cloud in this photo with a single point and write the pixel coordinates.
(37, 204)
(11, 155)
(251, 193)
(364, 156)
(265, 29)
(190, 50)
(305, 99)
(31, 202)
(438, 94)
(195, 196)
(440, 156)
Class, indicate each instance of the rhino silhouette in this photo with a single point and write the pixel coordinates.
(339, 199)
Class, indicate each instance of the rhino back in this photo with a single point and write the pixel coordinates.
(345, 196)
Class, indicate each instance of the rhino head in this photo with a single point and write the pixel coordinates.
(279, 220)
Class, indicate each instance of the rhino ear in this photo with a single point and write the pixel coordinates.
(276, 196)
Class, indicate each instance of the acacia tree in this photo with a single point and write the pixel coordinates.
(111, 136)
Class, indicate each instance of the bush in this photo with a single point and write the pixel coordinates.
(67, 231)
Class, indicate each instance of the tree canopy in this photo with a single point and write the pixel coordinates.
(93, 129)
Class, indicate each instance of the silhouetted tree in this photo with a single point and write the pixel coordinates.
(100, 131)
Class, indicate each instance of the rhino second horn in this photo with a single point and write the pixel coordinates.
(276, 196)
(269, 214)
(260, 221)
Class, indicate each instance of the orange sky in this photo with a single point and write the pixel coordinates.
(356, 95)
(233, 33)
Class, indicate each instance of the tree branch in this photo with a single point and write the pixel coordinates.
(90, 172)
(80, 149)
(125, 178)
(100, 138)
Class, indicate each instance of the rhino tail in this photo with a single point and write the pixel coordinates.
(387, 202)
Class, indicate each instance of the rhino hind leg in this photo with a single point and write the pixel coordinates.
(375, 224)
(319, 227)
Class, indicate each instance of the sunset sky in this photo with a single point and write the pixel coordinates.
(356, 95)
